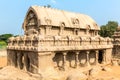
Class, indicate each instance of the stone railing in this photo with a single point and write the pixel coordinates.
(35, 42)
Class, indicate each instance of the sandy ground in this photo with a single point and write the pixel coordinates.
(3, 58)
(3, 61)
(11, 73)
(113, 72)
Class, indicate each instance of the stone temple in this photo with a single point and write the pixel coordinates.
(58, 39)
(116, 43)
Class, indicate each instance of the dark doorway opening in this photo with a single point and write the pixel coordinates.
(58, 58)
(100, 56)
(28, 64)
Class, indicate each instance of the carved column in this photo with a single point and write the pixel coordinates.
(12, 57)
(104, 55)
(26, 62)
(87, 58)
(64, 60)
(76, 59)
(20, 61)
(96, 54)
(9, 62)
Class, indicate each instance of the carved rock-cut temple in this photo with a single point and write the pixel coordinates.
(58, 39)
(116, 43)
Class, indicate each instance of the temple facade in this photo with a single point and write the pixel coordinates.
(58, 39)
(116, 43)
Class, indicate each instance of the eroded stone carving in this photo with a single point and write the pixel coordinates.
(116, 42)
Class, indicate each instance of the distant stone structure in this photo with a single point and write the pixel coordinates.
(116, 43)
(58, 39)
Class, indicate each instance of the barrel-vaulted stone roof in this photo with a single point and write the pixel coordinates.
(55, 17)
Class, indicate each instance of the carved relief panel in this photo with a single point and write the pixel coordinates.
(31, 24)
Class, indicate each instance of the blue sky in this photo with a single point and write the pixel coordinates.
(12, 12)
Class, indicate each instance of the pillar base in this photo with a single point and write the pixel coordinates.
(64, 68)
(96, 63)
(77, 65)
(87, 64)
(103, 62)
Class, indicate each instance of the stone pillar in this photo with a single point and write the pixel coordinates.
(96, 54)
(76, 59)
(44, 61)
(14, 58)
(64, 60)
(20, 60)
(9, 62)
(26, 62)
(87, 58)
(104, 56)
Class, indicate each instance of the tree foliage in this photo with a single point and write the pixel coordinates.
(4, 37)
(108, 29)
(3, 40)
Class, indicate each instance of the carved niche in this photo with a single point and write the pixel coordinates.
(62, 25)
(75, 21)
(31, 24)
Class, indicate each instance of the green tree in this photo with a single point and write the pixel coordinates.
(108, 29)
(4, 37)
(3, 44)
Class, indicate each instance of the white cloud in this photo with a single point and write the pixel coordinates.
(53, 1)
